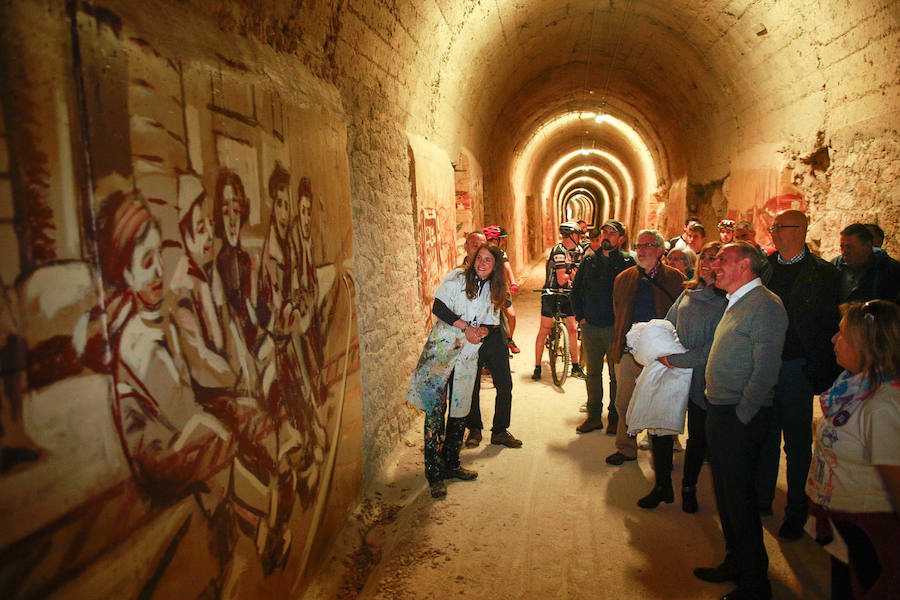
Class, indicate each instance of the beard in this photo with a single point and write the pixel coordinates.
(606, 245)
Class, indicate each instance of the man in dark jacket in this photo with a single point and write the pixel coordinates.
(808, 288)
(592, 301)
(865, 273)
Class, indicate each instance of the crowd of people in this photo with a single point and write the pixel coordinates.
(763, 334)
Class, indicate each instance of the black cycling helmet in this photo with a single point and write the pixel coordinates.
(570, 227)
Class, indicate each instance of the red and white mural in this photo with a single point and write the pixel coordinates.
(179, 415)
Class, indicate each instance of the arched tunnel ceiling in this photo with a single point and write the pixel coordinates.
(682, 72)
(652, 61)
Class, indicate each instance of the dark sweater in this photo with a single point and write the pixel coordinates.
(592, 290)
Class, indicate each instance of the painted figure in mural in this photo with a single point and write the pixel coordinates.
(199, 319)
(171, 443)
(233, 264)
(182, 423)
(16, 446)
(286, 311)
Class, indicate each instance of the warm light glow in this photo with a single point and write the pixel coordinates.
(610, 181)
(604, 206)
(621, 205)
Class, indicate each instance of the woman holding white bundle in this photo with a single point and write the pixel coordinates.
(467, 304)
(695, 314)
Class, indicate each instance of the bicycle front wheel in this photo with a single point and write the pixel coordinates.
(559, 354)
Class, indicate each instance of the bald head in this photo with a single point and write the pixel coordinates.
(789, 233)
(473, 241)
(793, 217)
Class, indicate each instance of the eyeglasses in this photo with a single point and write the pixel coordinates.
(639, 246)
(776, 228)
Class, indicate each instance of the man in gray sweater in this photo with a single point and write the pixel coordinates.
(742, 370)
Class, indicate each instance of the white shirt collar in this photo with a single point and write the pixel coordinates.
(742, 291)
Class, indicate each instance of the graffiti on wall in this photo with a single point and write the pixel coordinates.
(175, 399)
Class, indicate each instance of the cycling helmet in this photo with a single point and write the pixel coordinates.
(494, 233)
(569, 227)
(727, 224)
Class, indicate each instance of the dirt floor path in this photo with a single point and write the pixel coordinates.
(548, 520)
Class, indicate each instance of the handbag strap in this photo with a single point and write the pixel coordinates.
(656, 283)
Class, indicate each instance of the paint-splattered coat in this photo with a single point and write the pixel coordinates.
(447, 353)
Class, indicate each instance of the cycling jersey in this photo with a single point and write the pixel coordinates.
(561, 258)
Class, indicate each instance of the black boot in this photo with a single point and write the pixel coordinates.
(662, 465)
(456, 428)
(689, 499)
(657, 494)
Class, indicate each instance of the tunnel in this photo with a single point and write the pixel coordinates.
(304, 174)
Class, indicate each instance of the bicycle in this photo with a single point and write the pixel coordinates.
(557, 342)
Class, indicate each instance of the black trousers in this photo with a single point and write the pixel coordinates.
(792, 416)
(494, 354)
(662, 447)
(695, 451)
(735, 450)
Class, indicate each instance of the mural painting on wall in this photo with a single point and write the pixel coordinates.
(174, 403)
(464, 220)
(434, 266)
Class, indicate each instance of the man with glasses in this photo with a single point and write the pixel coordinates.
(808, 287)
(592, 300)
(640, 293)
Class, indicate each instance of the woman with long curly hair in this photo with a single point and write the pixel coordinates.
(467, 304)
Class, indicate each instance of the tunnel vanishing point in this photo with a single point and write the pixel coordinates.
(222, 221)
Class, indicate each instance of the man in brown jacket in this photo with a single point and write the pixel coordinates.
(640, 293)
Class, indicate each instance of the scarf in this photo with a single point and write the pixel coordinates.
(842, 398)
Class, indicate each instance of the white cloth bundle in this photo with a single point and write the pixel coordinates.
(660, 396)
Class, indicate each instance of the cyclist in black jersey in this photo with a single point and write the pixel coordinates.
(561, 268)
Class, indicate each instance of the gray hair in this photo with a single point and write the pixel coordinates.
(689, 255)
(658, 240)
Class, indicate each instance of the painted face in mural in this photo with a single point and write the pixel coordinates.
(144, 273)
(199, 238)
(282, 210)
(484, 263)
(231, 216)
(305, 216)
